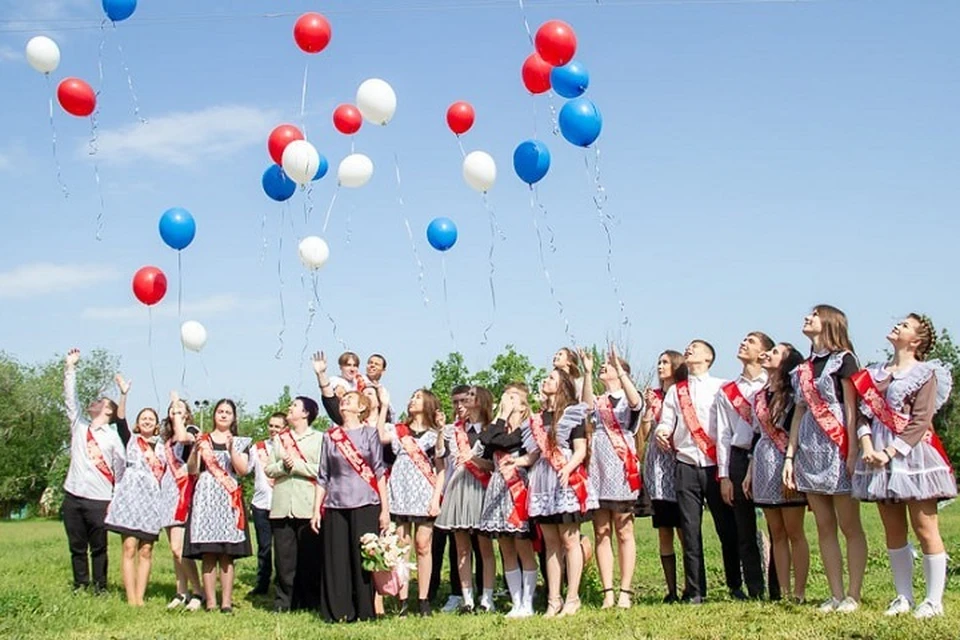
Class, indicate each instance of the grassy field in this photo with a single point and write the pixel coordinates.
(36, 602)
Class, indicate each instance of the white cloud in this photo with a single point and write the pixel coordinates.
(184, 138)
(205, 307)
(9, 54)
(42, 278)
(37, 17)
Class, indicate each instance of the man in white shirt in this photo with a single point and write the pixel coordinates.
(688, 425)
(350, 378)
(260, 505)
(735, 440)
(97, 461)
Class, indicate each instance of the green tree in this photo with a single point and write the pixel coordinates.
(947, 420)
(446, 375)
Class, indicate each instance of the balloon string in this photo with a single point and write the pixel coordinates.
(206, 373)
(353, 144)
(553, 115)
(326, 220)
(303, 99)
(126, 71)
(153, 373)
(283, 314)
(53, 130)
(463, 153)
(349, 223)
(534, 204)
(311, 314)
(599, 199)
(103, 43)
(263, 238)
(94, 148)
(446, 300)
(406, 223)
(308, 205)
(333, 323)
(183, 349)
(546, 223)
(526, 24)
(494, 228)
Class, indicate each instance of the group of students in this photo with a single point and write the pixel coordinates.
(791, 432)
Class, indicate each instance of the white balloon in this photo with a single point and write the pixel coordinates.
(300, 162)
(479, 170)
(193, 335)
(43, 54)
(314, 252)
(355, 171)
(376, 101)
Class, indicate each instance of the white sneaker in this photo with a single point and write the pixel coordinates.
(928, 609)
(195, 603)
(178, 601)
(899, 606)
(453, 603)
(487, 606)
(829, 605)
(515, 612)
(848, 605)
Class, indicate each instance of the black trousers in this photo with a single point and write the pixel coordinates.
(745, 516)
(347, 590)
(696, 486)
(261, 522)
(298, 561)
(83, 520)
(441, 539)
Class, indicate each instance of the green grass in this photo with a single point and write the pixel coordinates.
(36, 601)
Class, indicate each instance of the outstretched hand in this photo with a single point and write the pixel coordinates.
(73, 356)
(123, 385)
(586, 358)
(319, 362)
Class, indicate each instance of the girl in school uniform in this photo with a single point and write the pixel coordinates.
(509, 448)
(904, 467)
(416, 484)
(134, 512)
(823, 448)
(659, 469)
(560, 497)
(217, 531)
(614, 471)
(773, 408)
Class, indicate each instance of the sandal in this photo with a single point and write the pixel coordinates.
(629, 599)
(553, 608)
(607, 604)
(570, 607)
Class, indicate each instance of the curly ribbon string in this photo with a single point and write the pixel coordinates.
(103, 43)
(153, 373)
(126, 71)
(526, 24)
(599, 199)
(333, 323)
(311, 314)
(446, 300)
(303, 100)
(534, 204)
(283, 314)
(349, 224)
(494, 230)
(326, 219)
(463, 153)
(93, 149)
(308, 205)
(406, 223)
(263, 238)
(53, 131)
(554, 123)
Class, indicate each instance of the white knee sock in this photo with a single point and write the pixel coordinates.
(935, 572)
(901, 561)
(529, 588)
(486, 600)
(515, 585)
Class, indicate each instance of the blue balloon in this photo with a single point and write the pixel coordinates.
(118, 10)
(531, 161)
(570, 80)
(580, 122)
(277, 185)
(322, 168)
(177, 228)
(442, 233)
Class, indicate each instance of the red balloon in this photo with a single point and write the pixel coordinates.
(312, 32)
(149, 285)
(460, 117)
(556, 42)
(76, 97)
(280, 138)
(347, 119)
(536, 74)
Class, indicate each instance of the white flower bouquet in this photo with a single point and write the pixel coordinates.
(386, 558)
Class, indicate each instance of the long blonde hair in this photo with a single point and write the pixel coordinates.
(833, 335)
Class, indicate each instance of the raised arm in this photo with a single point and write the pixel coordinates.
(587, 397)
(70, 387)
(382, 433)
(179, 411)
(123, 428)
(629, 389)
(320, 368)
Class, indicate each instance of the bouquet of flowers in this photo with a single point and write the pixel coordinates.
(385, 557)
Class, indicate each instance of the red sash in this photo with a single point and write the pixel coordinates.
(150, 457)
(465, 455)
(184, 482)
(290, 444)
(615, 433)
(224, 479)
(657, 404)
(738, 402)
(96, 455)
(761, 409)
(707, 446)
(517, 488)
(361, 384)
(416, 454)
(882, 411)
(352, 455)
(578, 478)
(821, 412)
(264, 457)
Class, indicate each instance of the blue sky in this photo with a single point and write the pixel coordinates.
(759, 158)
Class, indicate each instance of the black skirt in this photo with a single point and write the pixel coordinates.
(139, 535)
(618, 506)
(666, 515)
(572, 517)
(412, 519)
(346, 588)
